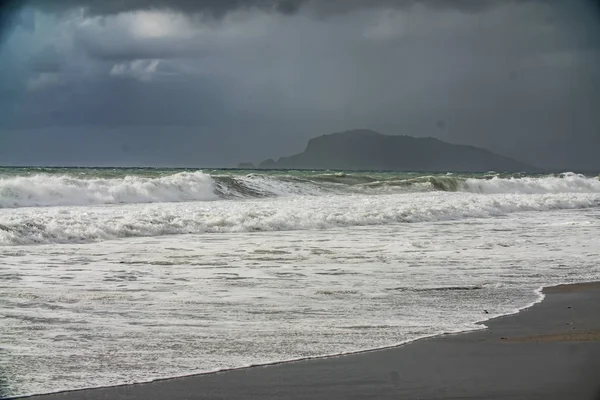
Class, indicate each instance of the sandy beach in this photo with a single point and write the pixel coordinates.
(549, 351)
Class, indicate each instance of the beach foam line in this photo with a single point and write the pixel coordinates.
(477, 326)
(92, 224)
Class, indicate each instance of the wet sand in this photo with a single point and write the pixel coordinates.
(549, 351)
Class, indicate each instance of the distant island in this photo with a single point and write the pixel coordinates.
(365, 149)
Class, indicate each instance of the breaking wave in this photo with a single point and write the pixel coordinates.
(43, 190)
(89, 224)
(563, 183)
(52, 190)
(491, 184)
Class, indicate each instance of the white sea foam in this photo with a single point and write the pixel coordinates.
(88, 224)
(55, 190)
(65, 190)
(566, 183)
(338, 262)
(138, 309)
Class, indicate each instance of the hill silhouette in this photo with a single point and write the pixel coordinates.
(364, 149)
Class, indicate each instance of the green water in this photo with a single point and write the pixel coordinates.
(147, 172)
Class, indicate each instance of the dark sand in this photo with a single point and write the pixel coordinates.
(549, 351)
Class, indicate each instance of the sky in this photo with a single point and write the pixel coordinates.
(217, 82)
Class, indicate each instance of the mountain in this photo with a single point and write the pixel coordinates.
(369, 150)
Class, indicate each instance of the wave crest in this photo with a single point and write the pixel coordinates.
(67, 190)
(52, 190)
(77, 225)
(563, 183)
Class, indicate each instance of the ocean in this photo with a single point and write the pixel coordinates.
(114, 276)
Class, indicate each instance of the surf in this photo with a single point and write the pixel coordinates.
(47, 225)
(98, 187)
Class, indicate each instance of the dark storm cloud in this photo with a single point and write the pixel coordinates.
(259, 79)
(47, 60)
(11, 15)
(112, 47)
(213, 7)
(221, 7)
(125, 102)
(7, 15)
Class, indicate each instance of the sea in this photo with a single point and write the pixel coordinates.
(111, 276)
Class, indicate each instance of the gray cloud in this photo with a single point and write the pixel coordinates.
(519, 77)
(211, 7)
(9, 9)
(219, 8)
(11, 15)
(47, 60)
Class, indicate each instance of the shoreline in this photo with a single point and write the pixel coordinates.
(481, 323)
(487, 325)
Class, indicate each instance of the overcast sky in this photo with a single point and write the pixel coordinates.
(217, 82)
